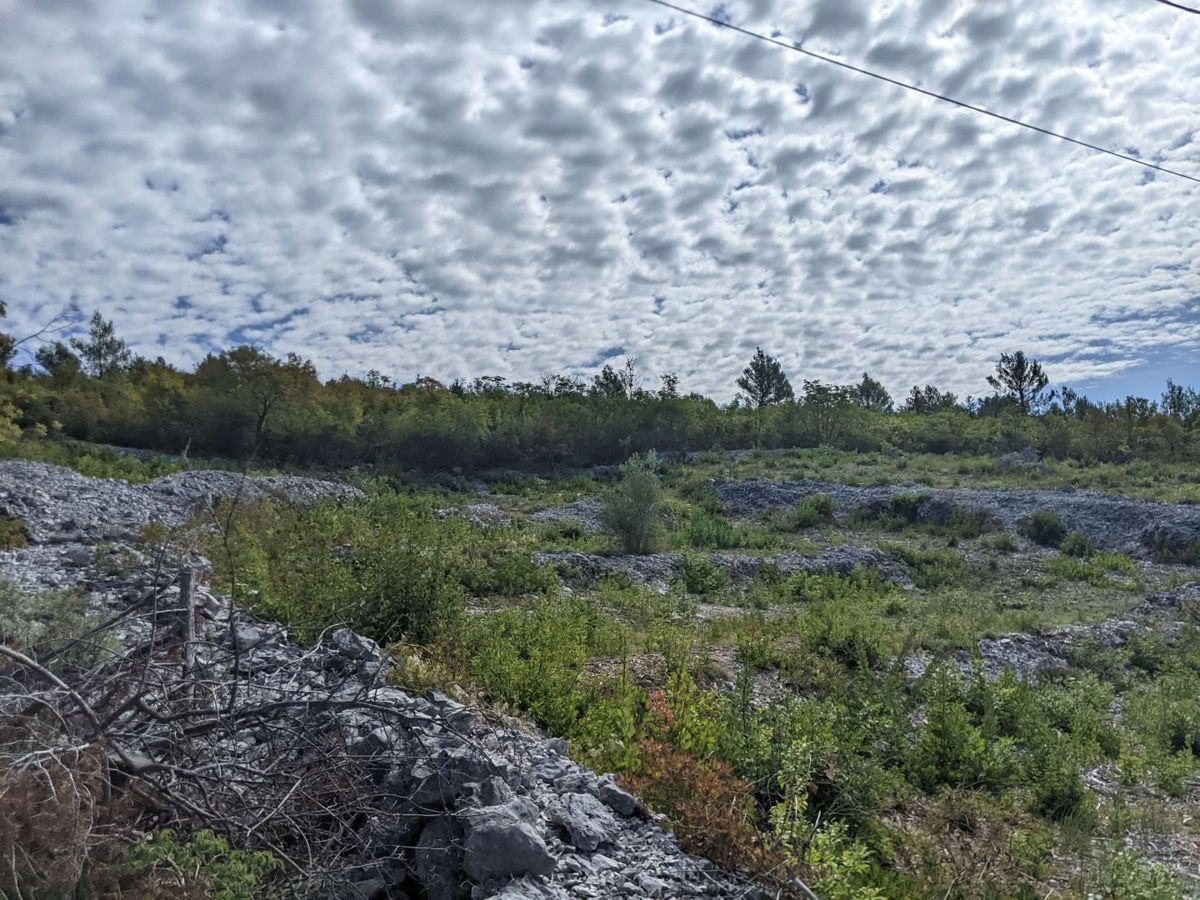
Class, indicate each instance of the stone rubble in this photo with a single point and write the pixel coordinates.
(658, 570)
(1116, 523)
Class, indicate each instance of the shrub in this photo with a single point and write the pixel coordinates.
(633, 508)
(1075, 544)
(840, 631)
(204, 866)
(709, 531)
(930, 569)
(512, 574)
(1044, 527)
(1005, 543)
(12, 533)
(37, 624)
(810, 512)
(701, 576)
(906, 507)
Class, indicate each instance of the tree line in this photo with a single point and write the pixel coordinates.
(243, 403)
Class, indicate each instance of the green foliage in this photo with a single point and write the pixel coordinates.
(952, 748)
(632, 509)
(1123, 875)
(205, 864)
(701, 576)
(511, 574)
(930, 569)
(1004, 542)
(37, 624)
(532, 658)
(12, 533)
(712, 531)
(1075, 544)
(1044, 527)
(1093, 570)
(810, 512)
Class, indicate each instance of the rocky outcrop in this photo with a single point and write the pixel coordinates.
(370, 791)
(1110, 522)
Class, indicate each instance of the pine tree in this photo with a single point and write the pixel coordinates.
(103, 352)
(1019, 379)
(763, 383)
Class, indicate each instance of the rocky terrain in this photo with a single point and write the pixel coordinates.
(659, 569)
(363, 789)
(1110, 522)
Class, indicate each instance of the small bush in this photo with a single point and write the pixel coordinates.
(907, 507)
(810, 512)
(632, 509)
(1075, 544)
(1044, 527)
(700, 576)
(512, 575)
(930, 569)
(12, 533)
(1004, 543)
(204, 866)
(37, 624)
(709, 531)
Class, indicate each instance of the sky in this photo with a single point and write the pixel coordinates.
(461, 188)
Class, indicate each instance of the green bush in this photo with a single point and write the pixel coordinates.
(633, 508)
(40, 624)
(810, 512)
(205, 864)
(1005, 543)
(1075, 544)
(512, 574)
(906, 507)
(930, 569)
(709, 531)
(701, 576)
(12, 533)
(1044, 527)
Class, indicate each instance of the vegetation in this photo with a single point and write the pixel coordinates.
(633, 508)
(830, 726)
(242, 403)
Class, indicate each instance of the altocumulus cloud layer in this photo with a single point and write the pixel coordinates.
(513, 187)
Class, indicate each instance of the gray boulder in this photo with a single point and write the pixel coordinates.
(586, 821)
(501, 843)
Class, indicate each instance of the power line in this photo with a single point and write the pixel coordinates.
(1180, 6)
(920, 90)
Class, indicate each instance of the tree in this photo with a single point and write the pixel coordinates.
(929, 399)
(1020, 379)
(762, 384)
(825, 408)
(257, 382)
(872, 395)
(60, 363)
(8, 346)
(1181, 403)
(103, 352)
(633, 508)
(617, 384)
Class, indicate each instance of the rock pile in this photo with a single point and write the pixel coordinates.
(658, 570)
(1109, 522)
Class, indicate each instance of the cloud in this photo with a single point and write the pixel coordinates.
(516, 188)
